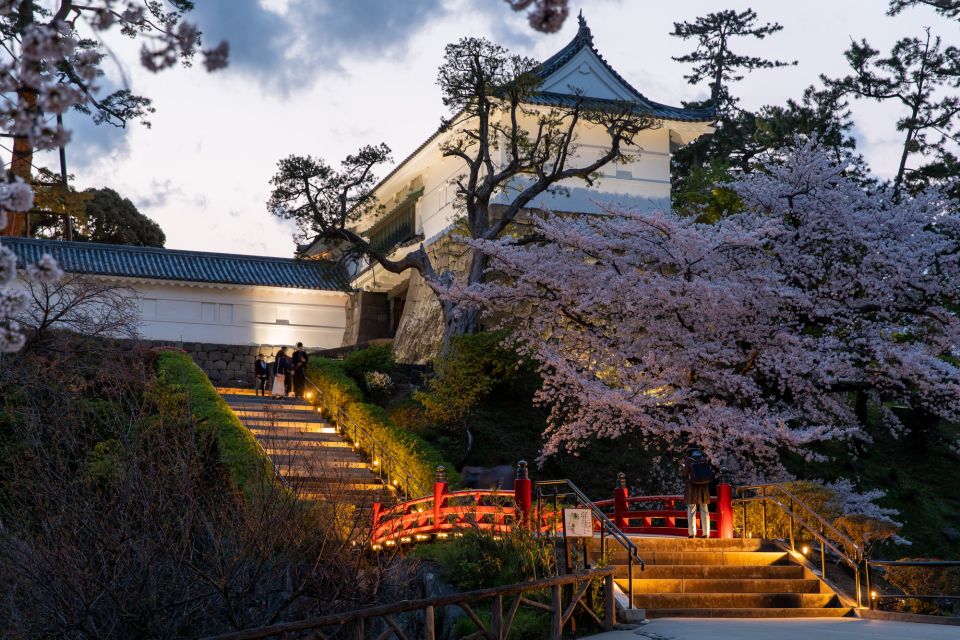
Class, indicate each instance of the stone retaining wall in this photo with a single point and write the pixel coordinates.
(225, 364)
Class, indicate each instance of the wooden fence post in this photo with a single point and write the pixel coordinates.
(556, 620)
(429, 629)
(609, 604)
(496, 618)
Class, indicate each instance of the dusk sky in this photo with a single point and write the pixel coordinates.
(326, 77)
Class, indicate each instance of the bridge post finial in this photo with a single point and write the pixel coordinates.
(441, 474)
(522, 471)
(621, 480)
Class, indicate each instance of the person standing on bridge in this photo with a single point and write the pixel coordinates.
(299, 359)
(698, 475)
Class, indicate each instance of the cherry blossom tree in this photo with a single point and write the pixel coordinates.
(748, 336)
(546, 16)
(51, 61)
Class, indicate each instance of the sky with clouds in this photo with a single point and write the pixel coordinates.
(325, 77)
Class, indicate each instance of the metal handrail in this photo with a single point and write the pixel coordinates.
(855, 561)
(826, 525)
(606, 525)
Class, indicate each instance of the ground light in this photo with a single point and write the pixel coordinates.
(805, 550)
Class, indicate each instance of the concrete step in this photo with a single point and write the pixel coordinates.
(279, 416)
(650, 601)
(275, 404)
(316, 466)
(743, 558)
(667, 585)
(268, 407)
(647, 544)
(768, 612)
(292, 428)
(715, 571)
(360, 499)
(275, 437)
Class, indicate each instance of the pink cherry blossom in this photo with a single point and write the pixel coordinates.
(747, 336)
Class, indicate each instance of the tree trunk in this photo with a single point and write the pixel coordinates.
(21, 164)
(458, 320)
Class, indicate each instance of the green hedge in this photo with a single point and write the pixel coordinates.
(415, 457)
(239, 450)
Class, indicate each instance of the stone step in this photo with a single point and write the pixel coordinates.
(767, 612)
(650, 601)
(749, 558)
(715, 571)
(685, 585)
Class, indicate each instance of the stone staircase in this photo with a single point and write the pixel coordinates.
(309, 454)
(738, 578)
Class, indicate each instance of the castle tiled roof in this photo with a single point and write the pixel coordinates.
(644, 106)
(188, 266)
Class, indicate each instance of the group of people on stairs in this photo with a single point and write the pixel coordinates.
(286, 374)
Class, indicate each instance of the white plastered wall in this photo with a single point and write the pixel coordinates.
(237, 315)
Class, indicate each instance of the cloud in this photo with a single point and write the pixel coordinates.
(91, 144)
(288, 45)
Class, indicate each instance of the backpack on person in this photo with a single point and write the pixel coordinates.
(700, 470)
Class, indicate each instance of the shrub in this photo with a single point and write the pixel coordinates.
(480, 560)
(336, 388)
(378, 381)
(414, 457)
(527, 624)
(359, 363)
(248, 464)
(475, 365)
(924, 581)
(408, 414)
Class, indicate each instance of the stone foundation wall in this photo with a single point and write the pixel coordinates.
(420, 334)
(225, 364)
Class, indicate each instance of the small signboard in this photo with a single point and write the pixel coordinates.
(577, 523)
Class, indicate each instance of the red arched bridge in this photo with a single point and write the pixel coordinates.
(538, 506)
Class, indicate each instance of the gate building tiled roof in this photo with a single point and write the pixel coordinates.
(187, 266)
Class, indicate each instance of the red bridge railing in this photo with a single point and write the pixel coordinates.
(658, 515)
(447, 512)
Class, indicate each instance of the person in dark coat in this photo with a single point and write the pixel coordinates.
(697, 474)
(261, 372)
(299, 360)
(282, 367)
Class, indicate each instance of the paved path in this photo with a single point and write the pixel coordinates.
(783, 629)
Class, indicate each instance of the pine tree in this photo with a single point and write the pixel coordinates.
(714, 60)
(946, 8)
(916, 74)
